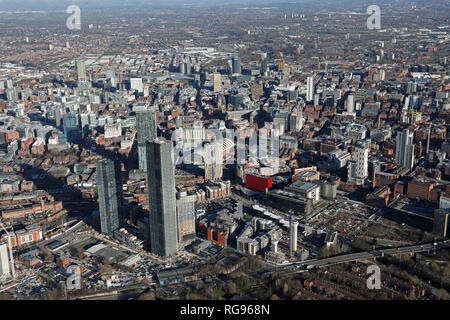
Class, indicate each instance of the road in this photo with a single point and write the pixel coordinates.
(318, 263)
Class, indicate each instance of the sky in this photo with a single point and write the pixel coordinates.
(59, 4)
(63, 4)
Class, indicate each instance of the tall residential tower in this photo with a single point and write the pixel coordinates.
(110, 195)
(404, 150)
(310, 88)
(162, 198)
(146, 131)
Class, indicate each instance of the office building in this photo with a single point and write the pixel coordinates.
(310, 88)
(264, 64)
(186, 216)
(404, 150)
(236, 65)
(71, 129)
(213, 161)
(81, 71)
(162, 198)
(136, 85)
(146, 131)
(350, 104)
(217, 80)
(110, 195)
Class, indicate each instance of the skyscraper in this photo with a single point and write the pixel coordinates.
(146, 131)
(281, 65)
(81, 71)
(186, 216)
(217, 80)
(136, 85)
(293, 228)
(351, 103)
(440, 222)
(213, 157)
(162, 198)
(71, 129)
(310, 88)
(404, 150)
(263, 63)
(236, 65)
(110, 195)
(358, 167)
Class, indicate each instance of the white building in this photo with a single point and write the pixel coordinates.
(404, 150)
(444, 202)
(358, 167)
(213, 158)
(113, 130)
(350, 103)
(339, 158)
(310, 88)
(4, 260)
(293, 228)
(136, 84)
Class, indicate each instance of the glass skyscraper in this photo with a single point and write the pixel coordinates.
(404, 149)
(146, 131)
(110, 195)
(162, 198)
(236, 65)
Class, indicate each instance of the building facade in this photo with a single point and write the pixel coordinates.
(404, 151)
(162, 198)
(110, 195)
(146, 131)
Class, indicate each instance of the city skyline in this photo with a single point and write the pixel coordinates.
(221, 151)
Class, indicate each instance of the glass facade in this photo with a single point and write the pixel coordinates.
(146, 131)
(162, 198)
(110, 195)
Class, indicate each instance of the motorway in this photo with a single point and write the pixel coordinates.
(288, 268)
(318, 263)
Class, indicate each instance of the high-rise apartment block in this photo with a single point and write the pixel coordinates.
(404, 150)
(358, 167)
(217, 82)
(110, 195)
(236, 65)
(4, 260)
(293, 230)
(213, 157)
(186, 216)
(310, 88)
(81, 71)
(146, 131)
(162, 198)
(441, 220)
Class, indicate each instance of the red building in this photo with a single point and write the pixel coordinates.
(11, 135)
(258, 182)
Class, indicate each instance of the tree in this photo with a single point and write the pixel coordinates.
(323, 252)
(441, 294)
(285, 288)
(230, 287)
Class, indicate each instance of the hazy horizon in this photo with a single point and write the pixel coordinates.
(98, 4)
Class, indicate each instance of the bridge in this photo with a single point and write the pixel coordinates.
(368, 255)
